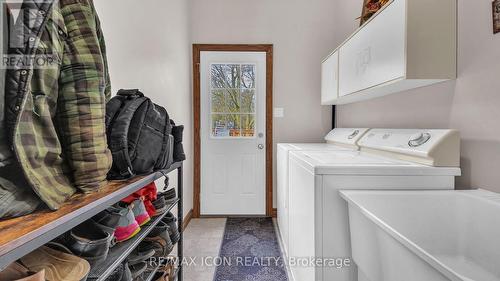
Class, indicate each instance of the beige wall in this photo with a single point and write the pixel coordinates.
(302, 34)
(149, 48)
(470, 104)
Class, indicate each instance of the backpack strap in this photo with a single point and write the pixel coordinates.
(119, 136)
(114, 106)
(112, 109)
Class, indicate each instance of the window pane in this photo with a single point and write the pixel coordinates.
(218, 101)
(234, 125)
(248, 101)
(248, 76)
(219, 125)
(233, 100)
(225, 76)
(247, 125)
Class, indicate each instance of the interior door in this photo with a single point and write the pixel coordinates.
(232, 132)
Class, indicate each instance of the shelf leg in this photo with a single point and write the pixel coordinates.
(180, 219)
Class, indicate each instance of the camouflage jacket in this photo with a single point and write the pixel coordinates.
(56, 88)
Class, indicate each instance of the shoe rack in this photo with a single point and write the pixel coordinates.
(21, 236)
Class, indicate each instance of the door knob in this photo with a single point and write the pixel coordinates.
(260, 146)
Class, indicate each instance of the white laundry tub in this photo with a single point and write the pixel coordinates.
(425, 235)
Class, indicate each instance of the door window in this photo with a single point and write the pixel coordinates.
(232, 99)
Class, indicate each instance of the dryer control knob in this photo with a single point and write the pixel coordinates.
(419, 139)
(354, 134)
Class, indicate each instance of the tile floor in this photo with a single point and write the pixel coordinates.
(202, 239)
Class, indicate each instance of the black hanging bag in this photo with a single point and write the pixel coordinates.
(139, 135)
(177, 132)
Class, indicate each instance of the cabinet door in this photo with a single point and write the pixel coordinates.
(376, 54)
(329, 79)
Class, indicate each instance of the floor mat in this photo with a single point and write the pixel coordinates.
(250, 251)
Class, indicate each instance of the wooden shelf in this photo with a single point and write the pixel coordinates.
(20, 236)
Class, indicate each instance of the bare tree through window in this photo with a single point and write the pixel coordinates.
(233, 100)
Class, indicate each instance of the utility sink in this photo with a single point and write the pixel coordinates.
(425, 235)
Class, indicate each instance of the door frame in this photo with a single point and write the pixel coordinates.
(197, 49)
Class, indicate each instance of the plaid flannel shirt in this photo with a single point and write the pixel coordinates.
(55, 114)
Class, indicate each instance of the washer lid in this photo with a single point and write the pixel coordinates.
(362, 163)
(317, 146)
(313, 147)
(350, 158)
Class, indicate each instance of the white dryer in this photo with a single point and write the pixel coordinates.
(339, 139)
(319, 239)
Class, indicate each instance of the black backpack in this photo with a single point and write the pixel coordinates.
(139, 135)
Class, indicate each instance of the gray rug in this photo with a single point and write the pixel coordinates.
(250, 251)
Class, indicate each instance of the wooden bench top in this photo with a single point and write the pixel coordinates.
(20, 236)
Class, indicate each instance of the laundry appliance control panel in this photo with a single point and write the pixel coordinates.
(430, 147)
(345, 136)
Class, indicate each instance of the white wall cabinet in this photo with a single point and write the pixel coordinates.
(330, 79)
(408, 44)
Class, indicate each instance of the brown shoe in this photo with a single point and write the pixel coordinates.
(59, 266)
(166, 273)
(170, 270)
(160, 276)
(17, 272)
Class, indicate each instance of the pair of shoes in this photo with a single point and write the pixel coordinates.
(17, 272)
(160, 206)
(173, 229)
(133, 216)
(89, 241)
(108, 220)
(58, 264)
(119, 221)
(161, 203)
(141, 215)
(148, 194)
(158, 240)
(164, 199)
(170, 196)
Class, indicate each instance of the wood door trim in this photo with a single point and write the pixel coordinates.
(197, 49)
(187, 219)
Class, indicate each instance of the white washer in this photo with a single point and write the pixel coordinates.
(389, 159)
(339, 139)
